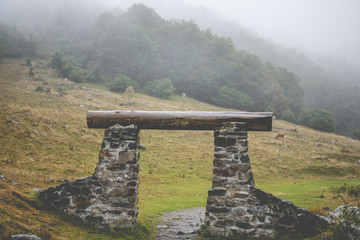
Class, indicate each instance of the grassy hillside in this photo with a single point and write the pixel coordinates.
(44, 141)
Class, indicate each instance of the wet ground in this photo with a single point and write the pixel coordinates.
(181, 224)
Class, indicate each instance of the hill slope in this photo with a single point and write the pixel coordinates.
(45, 141)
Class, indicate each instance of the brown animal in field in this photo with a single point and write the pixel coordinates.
(280, 135)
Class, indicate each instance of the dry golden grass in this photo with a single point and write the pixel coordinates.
(303, 153)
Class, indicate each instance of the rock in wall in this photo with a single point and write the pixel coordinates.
(109, 197)
(236, 207)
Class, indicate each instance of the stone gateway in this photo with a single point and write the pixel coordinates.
(234, 206)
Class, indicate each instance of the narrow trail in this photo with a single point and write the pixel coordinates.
(181, 224)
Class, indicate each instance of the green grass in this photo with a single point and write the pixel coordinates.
(308, 193)
(179, 193)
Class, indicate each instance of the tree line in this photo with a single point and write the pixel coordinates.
(13, 44)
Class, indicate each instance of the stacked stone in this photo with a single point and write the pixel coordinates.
(236, 207)
(109, 197)
(232, 179)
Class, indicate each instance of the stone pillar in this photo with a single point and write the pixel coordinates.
(109, 197)
(232, 179)
(236, 207)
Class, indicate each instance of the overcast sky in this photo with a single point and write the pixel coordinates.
(325, 26)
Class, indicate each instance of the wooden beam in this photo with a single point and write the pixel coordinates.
(178, 120)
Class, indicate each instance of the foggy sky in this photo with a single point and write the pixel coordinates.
(323, 26)
(330, 27)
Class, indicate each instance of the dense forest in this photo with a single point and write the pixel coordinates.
(329, 83)
(13, 44)
(139, 48)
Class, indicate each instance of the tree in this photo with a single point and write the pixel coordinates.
(67, 68)
(160, 88)
(57, 63)
(230, 97)
(289, 116)
(14, 44)
(121, 83)
(129, 94)
(319, 119)
(357, 133)
(144, 16)
(144, 47)
(31, 72)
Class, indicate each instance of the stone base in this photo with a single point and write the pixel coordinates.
(255, 213)
(236, 207)
(109, 197)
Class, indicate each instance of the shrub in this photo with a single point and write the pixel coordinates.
(319, 119)
(289, 116)
(39, 89)
(233, 98)
(67, 68)
(357, 133)
(61, 90)
(160, 88)
(120, 83)
(269, 109)
(28, 62)
(31, 72)
(129, 93)
(352, 190)
(77, 75)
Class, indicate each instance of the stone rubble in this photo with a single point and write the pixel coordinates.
(348, 219)
(24, 237)
(3, 178)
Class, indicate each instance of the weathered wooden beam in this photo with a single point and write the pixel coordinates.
(178, 120)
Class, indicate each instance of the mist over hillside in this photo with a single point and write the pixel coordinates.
(75, 29)
(328, 81)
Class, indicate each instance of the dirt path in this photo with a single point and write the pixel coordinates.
(181, 224)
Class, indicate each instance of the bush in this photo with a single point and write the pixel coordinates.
(319, 119)
(129, 93)
(351, 190)
(61, 90)
(120, 83)
(289, 116)
(39, 89)
(77, 75)
(160, 88)
(28, 62)
(233, 98)
(269, 109)
(67, 68)
(357, 133)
